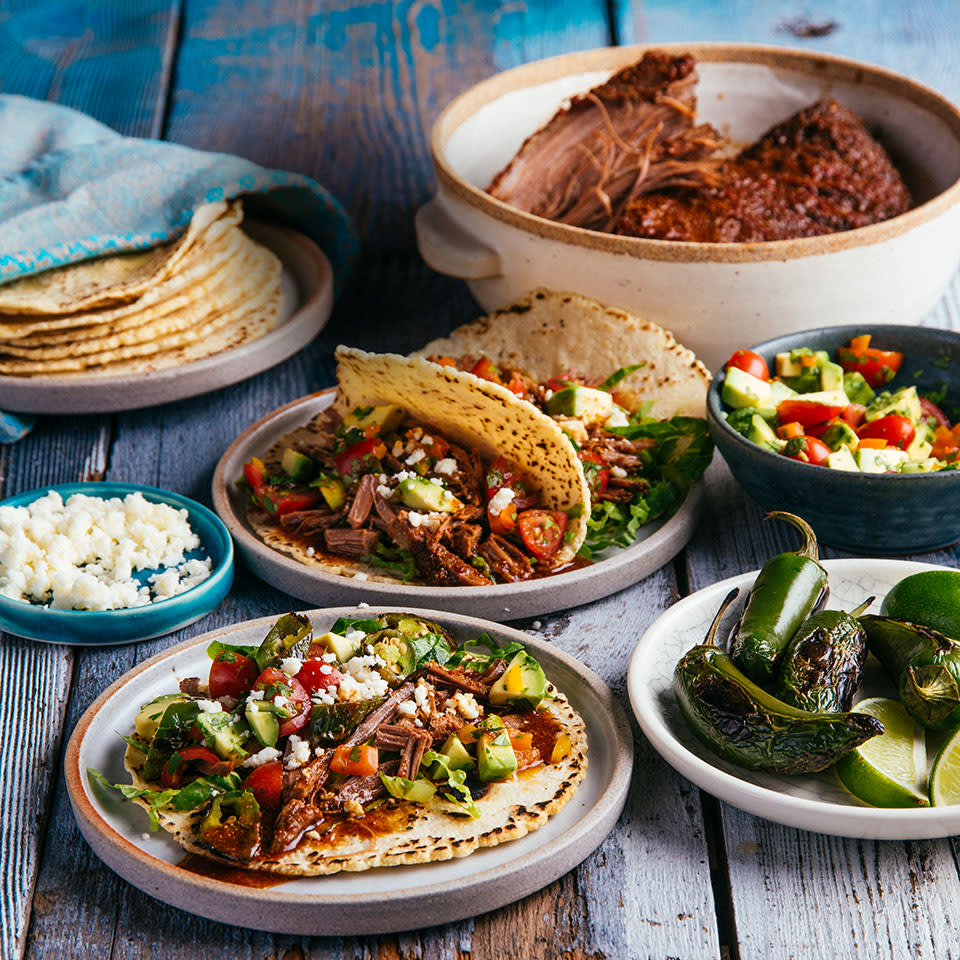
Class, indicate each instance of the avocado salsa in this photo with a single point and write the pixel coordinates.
(838, 412)
(306, 732)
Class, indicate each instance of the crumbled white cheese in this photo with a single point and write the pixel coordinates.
(397, 449)
(82, 554)
(360, 576)
(407, 709)
(426, 441)
(291, 666)
(210, 706)
(266, 755)
(363, 603)
(325, 668)
(421, 697)
(415, 457)
(353, 806)
(446, 466)
(281, 701)
(548, 394)
(329, 658)
(416, 433)
(436, 481)
(403, 475)
(385, 491)
(144, 836)
(299, 753)
(355, 636)
(618, 471)
(501, 500)
(360, 679)
(310, 551)
(536, 624)
(318, 696)
(466, 705)
(255, 695)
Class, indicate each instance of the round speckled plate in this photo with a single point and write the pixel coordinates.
(372, 901)
(656, 544)
(816, 802)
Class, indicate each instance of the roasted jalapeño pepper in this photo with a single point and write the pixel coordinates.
(823, 663)
(787, 590)
(925, 666)
(751, 728)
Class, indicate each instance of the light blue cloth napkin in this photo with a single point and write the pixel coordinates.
(72, 188)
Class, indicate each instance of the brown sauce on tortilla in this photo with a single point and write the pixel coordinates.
(543, 727)
(225, 873)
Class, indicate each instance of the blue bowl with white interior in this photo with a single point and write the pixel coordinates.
(867, 513)
(108, 627)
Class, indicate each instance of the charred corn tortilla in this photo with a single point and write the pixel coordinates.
(417, 833)
(547, 334)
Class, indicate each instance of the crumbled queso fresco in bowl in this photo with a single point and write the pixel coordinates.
(82, 554)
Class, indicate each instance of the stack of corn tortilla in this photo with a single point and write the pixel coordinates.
(210, 290)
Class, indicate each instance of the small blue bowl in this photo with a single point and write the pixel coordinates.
(109, 627)
(861, 513)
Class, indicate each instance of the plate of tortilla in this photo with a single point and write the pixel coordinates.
(226, 300)
(501, 482)
(386, 862)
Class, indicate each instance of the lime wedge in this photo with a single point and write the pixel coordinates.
(945, 775)
(883, 771)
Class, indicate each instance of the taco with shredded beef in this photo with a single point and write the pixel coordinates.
(379, 743)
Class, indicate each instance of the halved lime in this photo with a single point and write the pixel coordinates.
(945, 775)
(883, 771)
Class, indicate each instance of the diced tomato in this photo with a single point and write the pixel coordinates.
(897, 430)
(749, 362)
(878, 367)
(542, 531)
(517, 385)
(317, 675)
(274, 683)
(231, 675)
(807, 450)
(598, 475)
(501, 474)
(486, 369)
(266, 782)
(253, 473)
(288, 502)
(806, 413)
(787, 430)
(505, 521)
(519, 740)
(930, 409)
(359, 761)
(854, 414)
(272, 499)
(189, 761)
(362, 457)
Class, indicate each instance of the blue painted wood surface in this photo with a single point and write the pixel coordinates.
(347, 92)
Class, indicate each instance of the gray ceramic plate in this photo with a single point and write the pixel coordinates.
(657, 543)
(374, 901)
(815, 802)
(307, 285)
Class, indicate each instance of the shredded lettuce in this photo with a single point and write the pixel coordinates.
(155, 798)
(459, 794)
(462, 657)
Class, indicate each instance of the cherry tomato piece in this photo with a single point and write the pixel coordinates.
(897, 430)
(542, 531)
(505, 521)
(749, 362)
(231, 675)
(486, 369)
(284, 502)
(316, 675)
(854, 414)
(273, 683)
(878, 367)
(357, 761)
(358, 459)
(188, 761)
(806, 413)
(598, 475)
(266, 783)
(502, 474)
(930, 409)
(807, 450)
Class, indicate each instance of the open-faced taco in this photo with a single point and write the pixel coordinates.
(379, 743)
(426, 472)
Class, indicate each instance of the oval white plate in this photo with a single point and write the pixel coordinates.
(816, 802)
(372, 901)
(657, 543)
(307, 286)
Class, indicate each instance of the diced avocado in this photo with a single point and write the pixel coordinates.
(840, 435)
(922, 466)
(225, 733)
(333, 490)
(842, 459)
(779, 391)
(417, 791)
(857, 389)
(342, 648)
(831, 376)
(263, 722)
(296, 465)
(742, 389)
(762, 434)
(495, 757)
(920, 449)
(741, 419)
(832, 398)
(456, 753)
(148, 719)
(787, 365)
(584, 403)
(490, 722)
(873, 460)
(904, 402)
(386, 417)
(522, 683)
(418, 493)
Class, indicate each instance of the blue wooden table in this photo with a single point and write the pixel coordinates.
(346, 91)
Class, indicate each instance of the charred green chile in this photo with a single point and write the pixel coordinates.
(789, 588)
(750, 727)
(332, 722)
(925, 666)
(289, 637)
(823, 663)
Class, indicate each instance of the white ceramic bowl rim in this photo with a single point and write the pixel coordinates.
(824, 65)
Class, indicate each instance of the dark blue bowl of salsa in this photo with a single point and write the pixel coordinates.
(867, 513)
